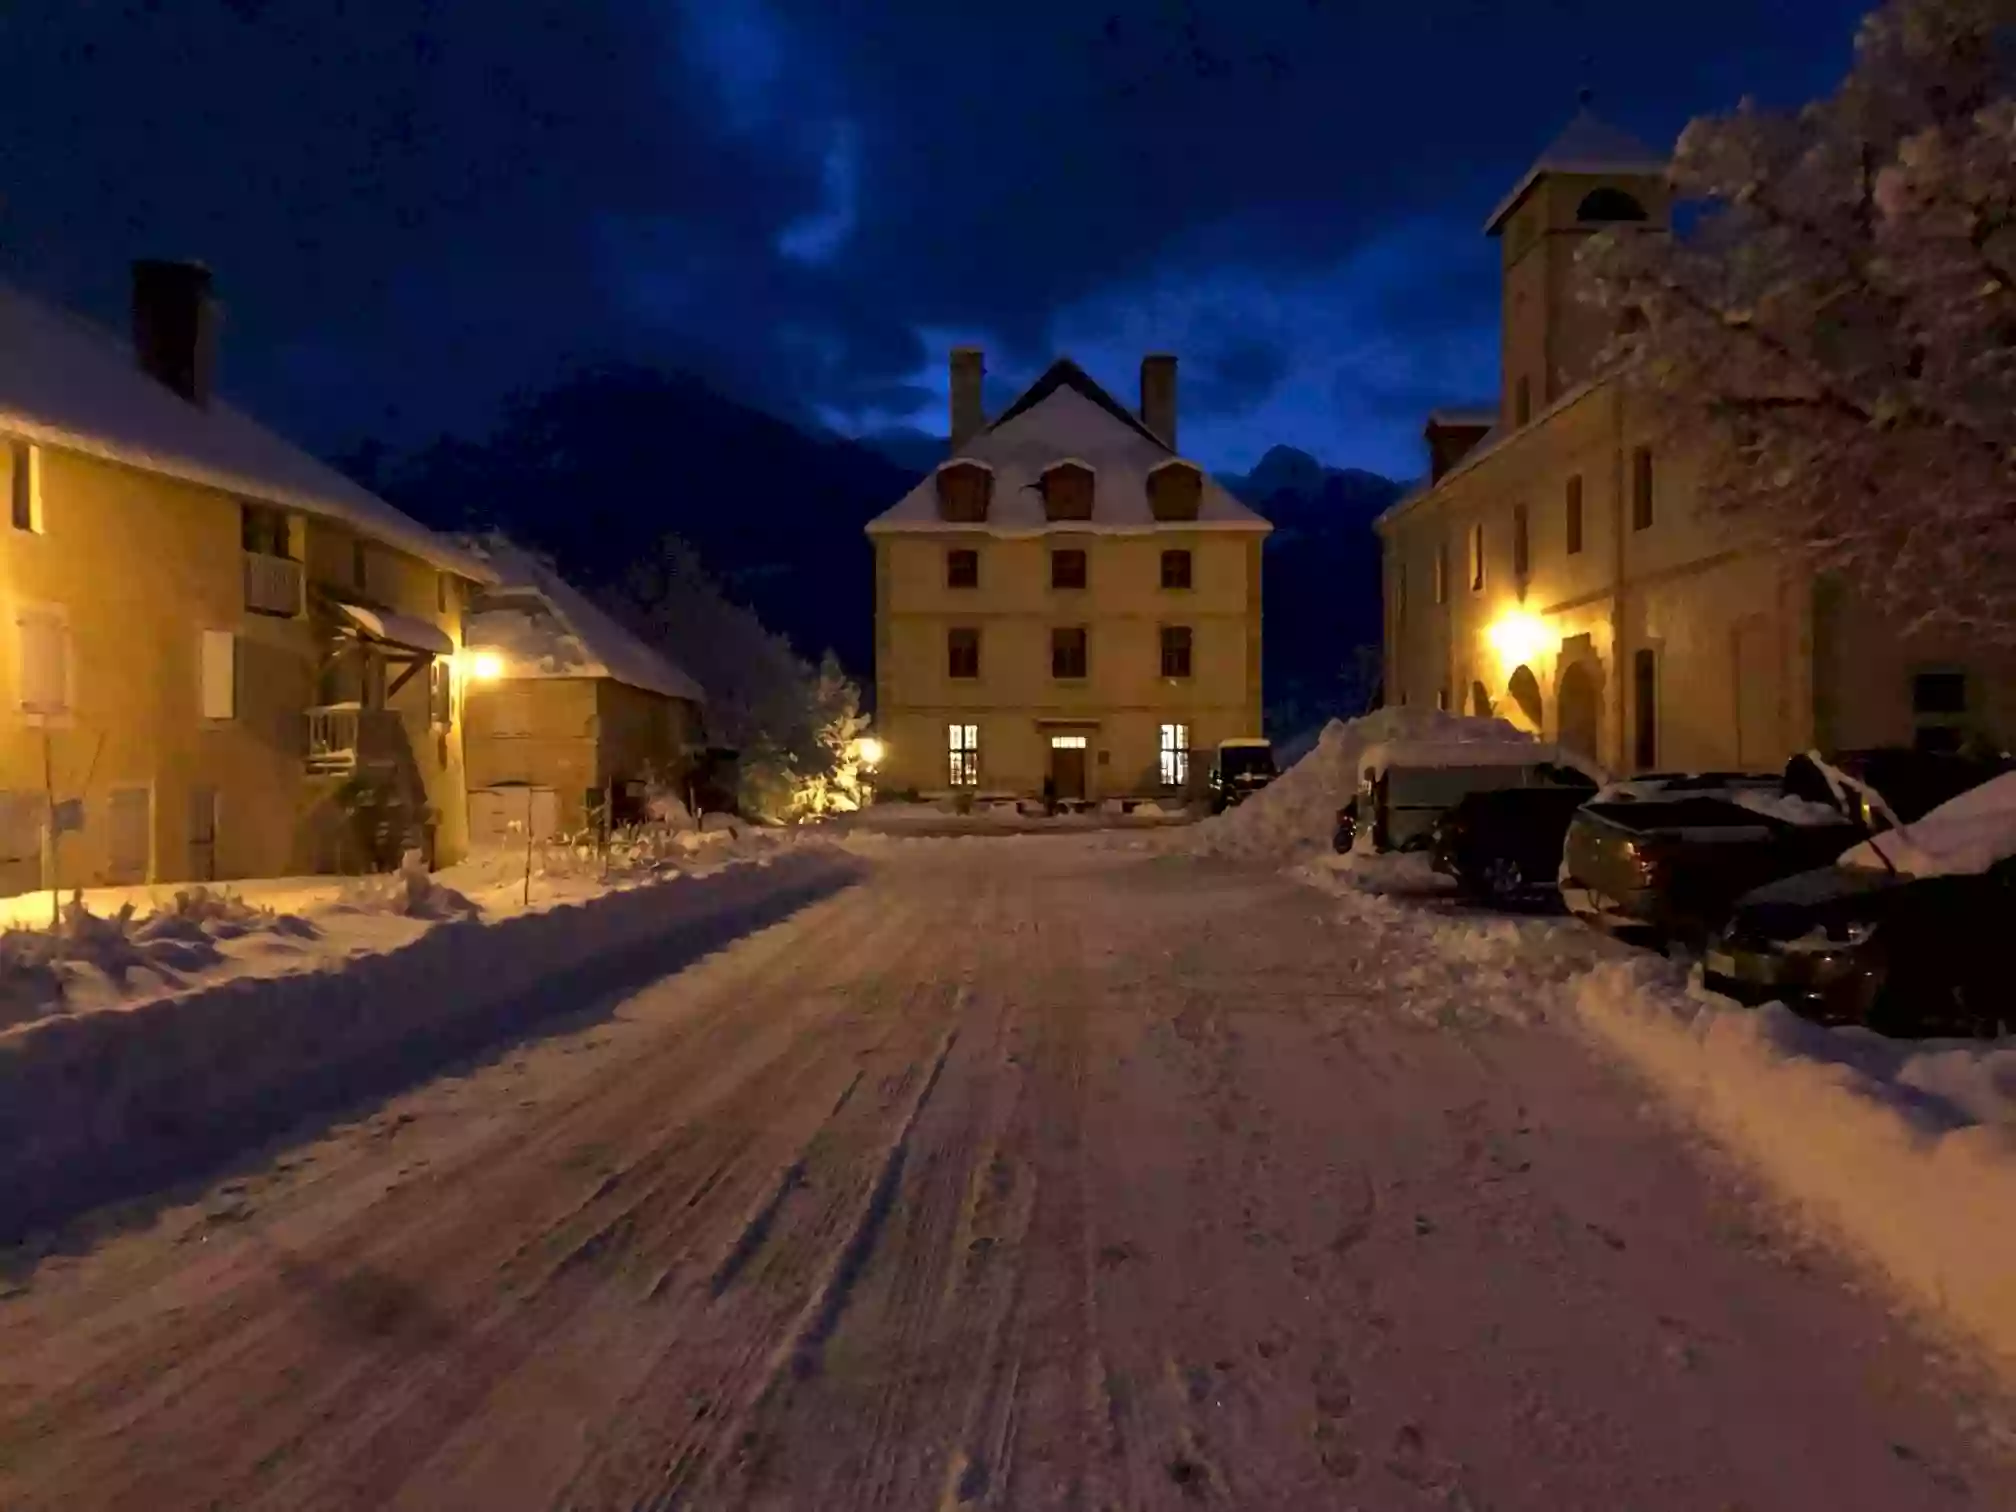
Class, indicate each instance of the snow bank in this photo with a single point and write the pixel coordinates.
(1296, 813)
(1904, 1152)
(98, 1105)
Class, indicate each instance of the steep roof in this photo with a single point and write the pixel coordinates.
(543, 626)
(1065, 415)
(1589, 144)
(66, 383)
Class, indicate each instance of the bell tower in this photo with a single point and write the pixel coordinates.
(1593, 178)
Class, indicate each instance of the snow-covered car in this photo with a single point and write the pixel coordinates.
(1239, 769)
(1406, 786)
(1671, 854)
(1905, 933)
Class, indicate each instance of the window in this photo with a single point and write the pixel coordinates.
(24, 485)
(1607, 204)
(1067, 491)
(1441, 572)
(1175, 650)
(1477, 558)
(219, 652)
(263, 530)
(1574, 509)
(360, 564)
(45, 661)
(962, 652)
(440, 694)
(1175, 569)
(1442, 699)
(1067, 569)
(1939, 710)
(1522, 402)
(1067, 652)
(1645, 705)
(962, 568)
(1641, 488)
(1174, 756)
(962, 744)
(1522, 557)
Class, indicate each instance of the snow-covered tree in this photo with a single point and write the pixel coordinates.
(794, 724)
(1839, 325)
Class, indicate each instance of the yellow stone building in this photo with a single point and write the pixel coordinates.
(1556, 570)
(1065, 598)
(223, 659)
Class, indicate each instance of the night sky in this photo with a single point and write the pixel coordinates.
(415, 207)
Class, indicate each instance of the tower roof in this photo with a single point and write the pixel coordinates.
(1590, 144)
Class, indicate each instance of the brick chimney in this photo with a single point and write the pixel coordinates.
(175, 326)
(969, 417)
(1158, 396)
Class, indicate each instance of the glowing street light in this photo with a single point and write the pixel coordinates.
(486, 666)
(1517, 636)
(869, 750)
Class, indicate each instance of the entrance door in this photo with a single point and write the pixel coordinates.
(1580, 710)
(132, 833)
(1067, 765)
(203, 834)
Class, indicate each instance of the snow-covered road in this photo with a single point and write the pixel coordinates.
(1028, 1173)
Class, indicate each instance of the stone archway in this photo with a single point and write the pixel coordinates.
(1580, 704)
(1524, 689)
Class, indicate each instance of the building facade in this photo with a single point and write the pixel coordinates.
(1556, 568)
(570, 714)
(224, 659)
(1066, 600)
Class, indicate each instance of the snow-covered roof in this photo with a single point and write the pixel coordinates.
(543, 626)
(1589, 144)
(66, 383)
(1961, 837)
(1065, 416)
(1467, 750)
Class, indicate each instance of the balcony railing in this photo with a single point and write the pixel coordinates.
(272, 584)
(344, 737)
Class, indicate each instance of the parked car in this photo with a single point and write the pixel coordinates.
(1239, 769)
(1407, 786)
(1905, 933)
(1670, 854)
(1505, 844)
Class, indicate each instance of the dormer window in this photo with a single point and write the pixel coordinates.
(1608, 205)
(965, 489)
(1067, 490)
(1175, 489)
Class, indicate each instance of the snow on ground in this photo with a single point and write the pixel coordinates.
(1024, 1174)
(1904, 1151)
(1297, 812)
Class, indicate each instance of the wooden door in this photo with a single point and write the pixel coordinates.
(1067, 770)
(203, 834)
(132, 834)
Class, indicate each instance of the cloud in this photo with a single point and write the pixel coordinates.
(818, 237)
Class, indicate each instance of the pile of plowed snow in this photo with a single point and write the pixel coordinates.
(1297, 812)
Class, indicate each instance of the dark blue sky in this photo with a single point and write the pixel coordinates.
(416, 206)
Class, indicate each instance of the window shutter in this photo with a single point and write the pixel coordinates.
(220, 674)
(45, 672)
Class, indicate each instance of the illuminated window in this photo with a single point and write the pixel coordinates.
(962, 743)
(1175, 756)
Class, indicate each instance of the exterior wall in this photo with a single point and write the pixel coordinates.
(139, 566)
(1121, 703)
(1864, 670)
(1729, 629)
(573, 735)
